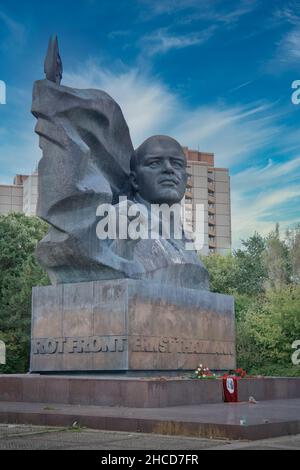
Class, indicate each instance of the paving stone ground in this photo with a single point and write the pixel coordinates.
(26, 437)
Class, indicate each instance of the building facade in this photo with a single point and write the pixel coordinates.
(209, 187)
(21, 196)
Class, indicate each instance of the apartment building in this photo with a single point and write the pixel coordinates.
(21, 196)
(210, 187)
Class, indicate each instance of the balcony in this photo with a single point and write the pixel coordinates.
(211, 198)
(211, 186)
(211, 243)
(211, 231)
(188, 194)
(211, 209)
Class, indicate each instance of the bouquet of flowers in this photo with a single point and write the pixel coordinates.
(204, 373)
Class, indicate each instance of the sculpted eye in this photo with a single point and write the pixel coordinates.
(177, 164)
(153, 164)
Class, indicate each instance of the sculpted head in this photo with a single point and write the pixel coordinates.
(158, 170)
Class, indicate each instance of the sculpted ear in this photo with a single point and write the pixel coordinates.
(133, 181)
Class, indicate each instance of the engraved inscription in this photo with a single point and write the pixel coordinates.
(90, 344)
(181, 345)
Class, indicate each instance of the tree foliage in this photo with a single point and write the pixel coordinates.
(264, 277)
(19, 272)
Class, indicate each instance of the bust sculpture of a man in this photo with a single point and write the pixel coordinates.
(158, 171)
(88, 160)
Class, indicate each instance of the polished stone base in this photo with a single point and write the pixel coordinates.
(143, 392)
(174, 406)
(127, 325)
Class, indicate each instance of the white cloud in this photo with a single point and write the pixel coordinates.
(289, 13)
(242, 85)
(288, 51)
(194, 10)
(259, 192)
(232, 132)
(211, 15)
(269, 175)
(260, 214)
(162, 41)
(146, 103)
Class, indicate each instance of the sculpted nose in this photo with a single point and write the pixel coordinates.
(168, 167)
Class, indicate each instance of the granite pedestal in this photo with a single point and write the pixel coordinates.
(128, 325)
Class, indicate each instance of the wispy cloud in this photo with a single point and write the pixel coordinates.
(274, 173)
(209, 18)
(242, 85)
(195, 10)
(15, 33)
(232, 132)
(262, 214)
(162, 40)
(147, 103)
(287, 52)
(289, 13)
(258, 194)
(215, 12)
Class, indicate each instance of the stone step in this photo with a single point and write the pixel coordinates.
(223, 420)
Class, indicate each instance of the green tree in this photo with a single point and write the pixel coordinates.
(267, 331)
(223, 271)
(252, 272)
(277, 261)
(19, 272)
(293, 243)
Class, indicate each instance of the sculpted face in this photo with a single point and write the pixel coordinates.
(159, 171)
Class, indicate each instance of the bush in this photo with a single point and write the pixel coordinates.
(267, 330)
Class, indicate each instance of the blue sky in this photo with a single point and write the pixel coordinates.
(214, 74)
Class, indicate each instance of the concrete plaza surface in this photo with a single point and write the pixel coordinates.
(27, 437)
